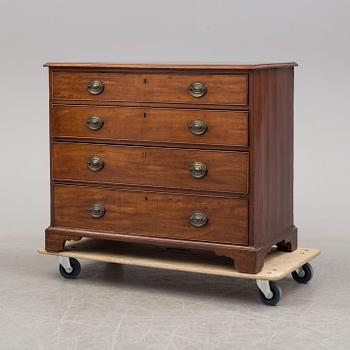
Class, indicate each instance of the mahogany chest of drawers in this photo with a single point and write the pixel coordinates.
(186, 156)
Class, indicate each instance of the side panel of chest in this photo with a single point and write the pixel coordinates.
(271, 210)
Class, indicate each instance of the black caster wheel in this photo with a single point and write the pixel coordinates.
(304, 274)
(75, 269)
(275, 297)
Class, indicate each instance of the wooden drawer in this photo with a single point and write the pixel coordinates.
(152, 166)
(224, 89)
(224, 128)
(156, 214)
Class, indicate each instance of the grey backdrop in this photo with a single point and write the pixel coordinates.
(313, 33)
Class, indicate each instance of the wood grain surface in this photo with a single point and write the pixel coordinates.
(158, 214)
(272, 154)
(221, 89)
(152, 166)
(122, 124)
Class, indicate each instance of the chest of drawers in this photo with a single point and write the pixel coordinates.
(186, 156)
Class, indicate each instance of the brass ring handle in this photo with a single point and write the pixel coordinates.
(95, 163)
(96, 210)
(197, 89)
(198, 170)
(198, 127)
(95, 87)
(198, 219)
(94, 123)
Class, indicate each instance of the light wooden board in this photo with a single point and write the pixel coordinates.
(277, 264)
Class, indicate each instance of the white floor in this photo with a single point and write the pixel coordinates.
(122, 307)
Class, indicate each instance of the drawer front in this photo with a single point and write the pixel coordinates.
(222, 89)
(152, 166)
(165, 215)
(151, 124)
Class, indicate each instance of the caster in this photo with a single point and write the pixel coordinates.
(69, 267)
(269, 292)
(303, 274)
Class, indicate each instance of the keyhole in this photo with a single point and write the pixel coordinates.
(145, 154)
(145, 81)
(144, 115)
(146, 198)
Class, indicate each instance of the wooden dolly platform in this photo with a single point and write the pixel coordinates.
(277, 264)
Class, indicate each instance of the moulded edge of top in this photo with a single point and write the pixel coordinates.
(170, 66)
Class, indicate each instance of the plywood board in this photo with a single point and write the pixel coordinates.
(277, 264)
